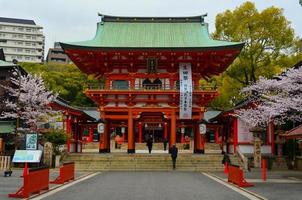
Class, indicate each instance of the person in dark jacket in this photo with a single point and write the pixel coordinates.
(174, 152)
(226, 162)
(226, 159)
(150, 144)
(165, 143)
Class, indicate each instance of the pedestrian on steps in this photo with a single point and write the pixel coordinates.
(174, 152)
(150, 143)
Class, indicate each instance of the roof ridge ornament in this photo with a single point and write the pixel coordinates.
(202, 17)
(101, 17)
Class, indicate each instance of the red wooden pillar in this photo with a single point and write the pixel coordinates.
(173, 129)
(131, 141)
(90, 138)
(165, 130)
(235, 134)
(68, 130)
(271, 136)
(217, 136)
(103, 140)
(140, 132)
(197, 139)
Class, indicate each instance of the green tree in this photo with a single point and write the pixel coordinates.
(65, 79)
(267, 36)
(57, 137)
(270, 45)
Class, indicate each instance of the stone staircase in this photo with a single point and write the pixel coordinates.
(94, 146)
(146, 162)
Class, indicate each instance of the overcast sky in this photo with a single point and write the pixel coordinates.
(75, 20)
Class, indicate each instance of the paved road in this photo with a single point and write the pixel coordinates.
(9, 185)
(147, 186)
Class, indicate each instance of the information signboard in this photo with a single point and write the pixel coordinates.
(27, 156)
(31, 141)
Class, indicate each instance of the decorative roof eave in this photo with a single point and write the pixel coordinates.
(67, 46)
(60, 105)
(293, 133)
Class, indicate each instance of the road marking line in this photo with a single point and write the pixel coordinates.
(62, 187)
(246, 193)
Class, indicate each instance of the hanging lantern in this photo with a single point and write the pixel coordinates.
(182, 130)
(101, 127)
(202, 128)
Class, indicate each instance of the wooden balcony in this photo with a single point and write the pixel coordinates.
(145, 89)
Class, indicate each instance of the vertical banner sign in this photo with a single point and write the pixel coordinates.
(185, 83)
(31, 141)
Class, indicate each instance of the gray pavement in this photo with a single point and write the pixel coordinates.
(147, 186)
(279, 185)
(9, 185)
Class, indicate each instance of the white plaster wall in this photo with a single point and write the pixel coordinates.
(250, 148)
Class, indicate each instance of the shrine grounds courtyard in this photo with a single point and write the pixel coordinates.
(164, 185)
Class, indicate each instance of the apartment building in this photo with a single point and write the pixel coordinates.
(21, 39)
(57, 55)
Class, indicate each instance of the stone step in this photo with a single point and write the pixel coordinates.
(142, 146)
(147, 162)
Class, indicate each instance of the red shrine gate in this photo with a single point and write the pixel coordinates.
(139, 61)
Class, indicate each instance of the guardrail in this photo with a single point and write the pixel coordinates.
(66, 173)
(33, 182)
(236, 176)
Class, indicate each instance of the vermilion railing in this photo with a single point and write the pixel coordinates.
(66, 173)
(149, 87)
(236, 176)
(33, 182)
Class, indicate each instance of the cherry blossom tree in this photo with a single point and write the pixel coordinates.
(28, 98)
(277, 100)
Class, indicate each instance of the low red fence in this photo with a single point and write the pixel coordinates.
(66, 173)
(33, 182)
(236, 176)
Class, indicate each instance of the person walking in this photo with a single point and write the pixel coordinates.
(174, 152)
(150, 143)
(165, 143)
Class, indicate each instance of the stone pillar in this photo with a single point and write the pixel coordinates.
(257, 152)
(257, 146)
(47, 154)
(173, 129)
(140, 132)
(131, 138)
